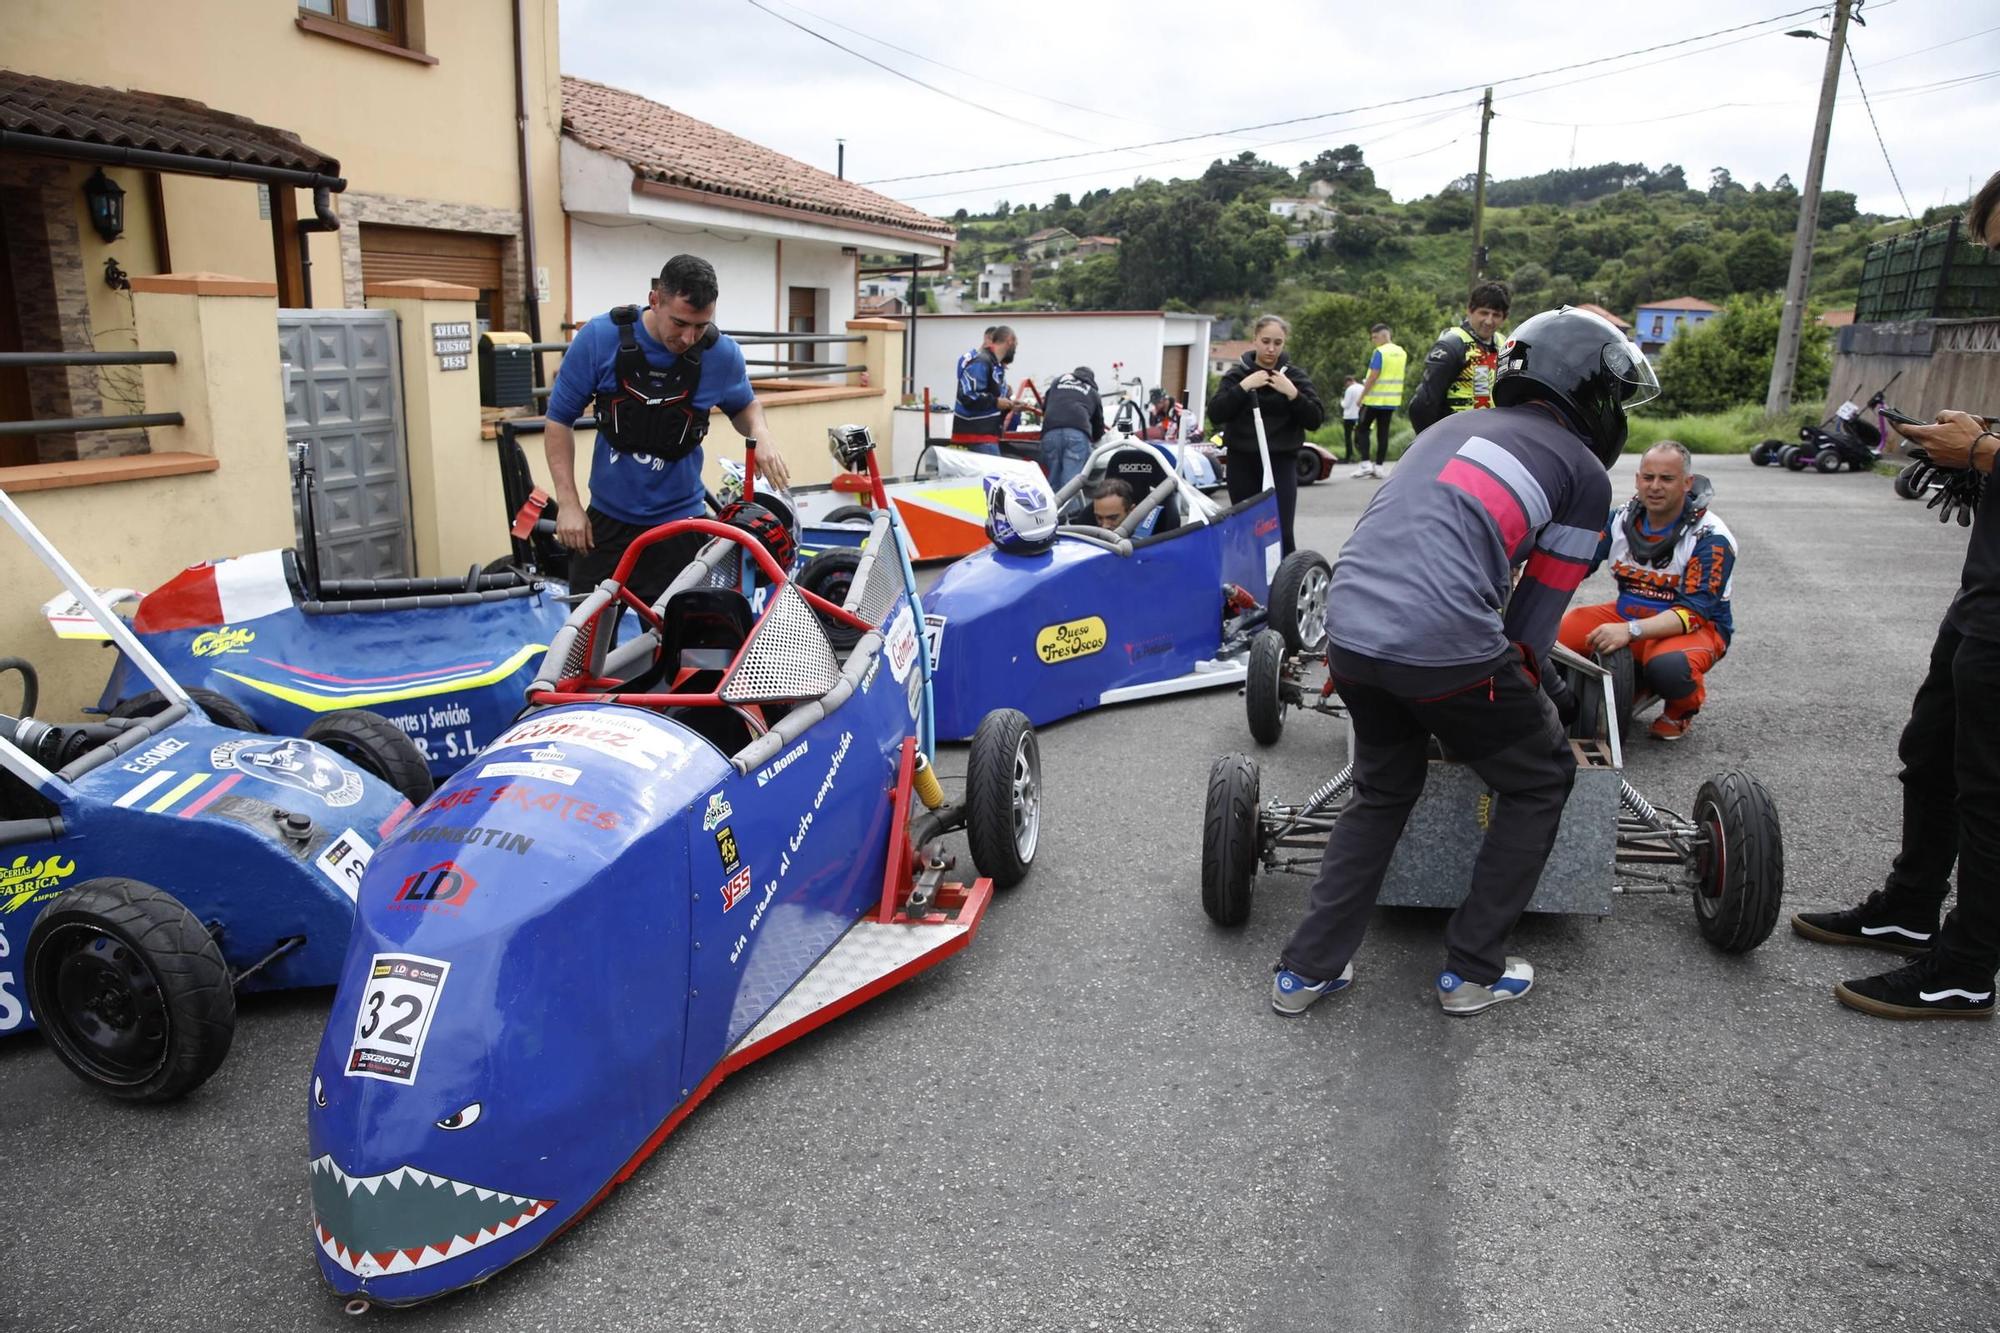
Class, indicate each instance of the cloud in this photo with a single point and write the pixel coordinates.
(1148, 71)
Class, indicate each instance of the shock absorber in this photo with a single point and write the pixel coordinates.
(1334, 788)
(1629, 797)
(924, 782)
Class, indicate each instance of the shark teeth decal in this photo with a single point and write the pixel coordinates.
(406, 1219)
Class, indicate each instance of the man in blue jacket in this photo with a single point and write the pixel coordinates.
(655, 374)
(980, 411)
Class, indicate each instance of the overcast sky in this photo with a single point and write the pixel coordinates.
(1115, 73)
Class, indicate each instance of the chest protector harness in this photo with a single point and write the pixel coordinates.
(1658, 550)
(1474, 386)
(652, 411)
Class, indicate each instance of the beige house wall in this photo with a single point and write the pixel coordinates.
(441, 133)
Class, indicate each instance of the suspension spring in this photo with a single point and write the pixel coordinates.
(1629, 797)
(1335, 787)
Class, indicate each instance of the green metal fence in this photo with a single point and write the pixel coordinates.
(1936, 273)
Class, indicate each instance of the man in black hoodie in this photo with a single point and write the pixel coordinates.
(1266, 381)
(1072, 422)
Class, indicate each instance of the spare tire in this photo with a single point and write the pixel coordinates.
(830, 574)
(222, 710)
(378, 745)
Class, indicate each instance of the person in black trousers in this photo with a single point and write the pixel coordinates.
(1951, 769)
(1272, 383)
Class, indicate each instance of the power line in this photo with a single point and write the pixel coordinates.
(971, 74)
(1853, 65)
(910, 78)
(1327, 115)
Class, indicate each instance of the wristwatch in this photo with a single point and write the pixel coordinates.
(1632, 628)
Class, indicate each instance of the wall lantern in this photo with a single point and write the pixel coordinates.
(107, 204)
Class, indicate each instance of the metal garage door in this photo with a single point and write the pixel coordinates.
(343, 397)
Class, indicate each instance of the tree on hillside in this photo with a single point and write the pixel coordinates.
(1758, 262)
(1727, 361)
(1330, 336)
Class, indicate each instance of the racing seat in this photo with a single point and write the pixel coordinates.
(701, 631)
(1143, 469)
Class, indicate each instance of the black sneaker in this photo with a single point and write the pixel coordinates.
(1876, 922)
(1921, 989)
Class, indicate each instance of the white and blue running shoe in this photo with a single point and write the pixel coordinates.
(1294, 994)
(1464, 998)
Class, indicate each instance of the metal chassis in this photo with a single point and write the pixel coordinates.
(1658, 851)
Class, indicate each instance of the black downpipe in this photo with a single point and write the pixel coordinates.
(528, 248)
(323, 219)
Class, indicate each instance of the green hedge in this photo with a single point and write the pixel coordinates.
(1736, 431)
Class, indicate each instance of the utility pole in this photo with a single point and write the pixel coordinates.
(1479, 193)
(1785, 361)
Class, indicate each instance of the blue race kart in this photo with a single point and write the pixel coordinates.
(695, 848)
(150, 868)
(445, 659)
(1165, 603)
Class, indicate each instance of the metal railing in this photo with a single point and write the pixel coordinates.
(780, 368)
(77, 425)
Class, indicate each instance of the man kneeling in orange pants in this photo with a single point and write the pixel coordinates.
(1673, 560)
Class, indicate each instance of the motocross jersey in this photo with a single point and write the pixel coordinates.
(1692, 576)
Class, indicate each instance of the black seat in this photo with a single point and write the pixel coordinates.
(1143, 469)
(727, 729)
(701, 631)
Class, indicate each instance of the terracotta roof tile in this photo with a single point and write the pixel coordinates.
(1680, 303)
(126, 119)
(1600, 310)
(674, 148)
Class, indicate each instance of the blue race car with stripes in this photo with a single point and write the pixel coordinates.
(151, 867)
(279, 647)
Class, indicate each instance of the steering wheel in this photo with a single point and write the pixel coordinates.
(772, 570)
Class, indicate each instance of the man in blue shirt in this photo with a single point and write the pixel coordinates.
(654, 378)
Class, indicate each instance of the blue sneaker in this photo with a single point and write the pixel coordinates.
(1461, 997)
(1294, 994)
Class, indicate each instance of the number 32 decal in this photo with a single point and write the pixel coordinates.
(395, 1017)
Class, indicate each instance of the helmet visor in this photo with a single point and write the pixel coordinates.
(1628, 365)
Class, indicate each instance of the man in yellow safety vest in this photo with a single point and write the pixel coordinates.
(1381, 395)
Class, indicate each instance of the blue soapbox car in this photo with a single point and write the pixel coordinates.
(444, 659)
(1167, 602)
(152, 867)
(695, 847)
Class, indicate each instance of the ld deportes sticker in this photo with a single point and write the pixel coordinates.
(290, 763)
(395, 1017)
(1071, 639)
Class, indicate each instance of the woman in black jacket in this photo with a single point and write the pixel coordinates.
(1281, 390)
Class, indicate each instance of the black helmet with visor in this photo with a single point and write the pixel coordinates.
(1580, 364)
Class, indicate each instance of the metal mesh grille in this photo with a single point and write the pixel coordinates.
(881, 583)
(787, 657)
(728, 569)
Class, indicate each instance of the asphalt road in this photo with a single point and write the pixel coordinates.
(1091, 1119)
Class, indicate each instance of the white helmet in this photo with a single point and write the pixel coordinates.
(1020, 514)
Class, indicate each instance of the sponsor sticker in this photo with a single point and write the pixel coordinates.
(1157, 646)
(344, 860)
(901, 643)
(718, 810)
(914, 691)
(868, 676)
(13, 1009)
(725, 847)
(216, 642)
(32, 881)
(505, 840)
(397, 1006)
(627, 736)
(148, 759)
(290, 763)
(441, 888)
(515, 768)
(781, 763)
(934, 637)
(737, 886)
(1071, 639)
(561, 805)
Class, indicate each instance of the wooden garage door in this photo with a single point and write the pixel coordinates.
(391, 254)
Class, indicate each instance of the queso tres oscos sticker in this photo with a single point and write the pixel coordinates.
(1072, 638)
(396, 1011)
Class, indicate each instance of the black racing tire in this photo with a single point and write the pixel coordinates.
(849, 514)
(830, 574)
(1264, 687)
(1794, 458)
(130, 989)
(1003, 796)
(1737, 894)
(1624, 671)
(1905, 480)
(1298, 600)
(502, 564)
(1306, 467)
(1826, 460)
(1765, 454)
(1229, 840)
(221, 709)
(377, 745)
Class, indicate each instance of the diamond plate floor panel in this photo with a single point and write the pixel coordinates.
(868, 952)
